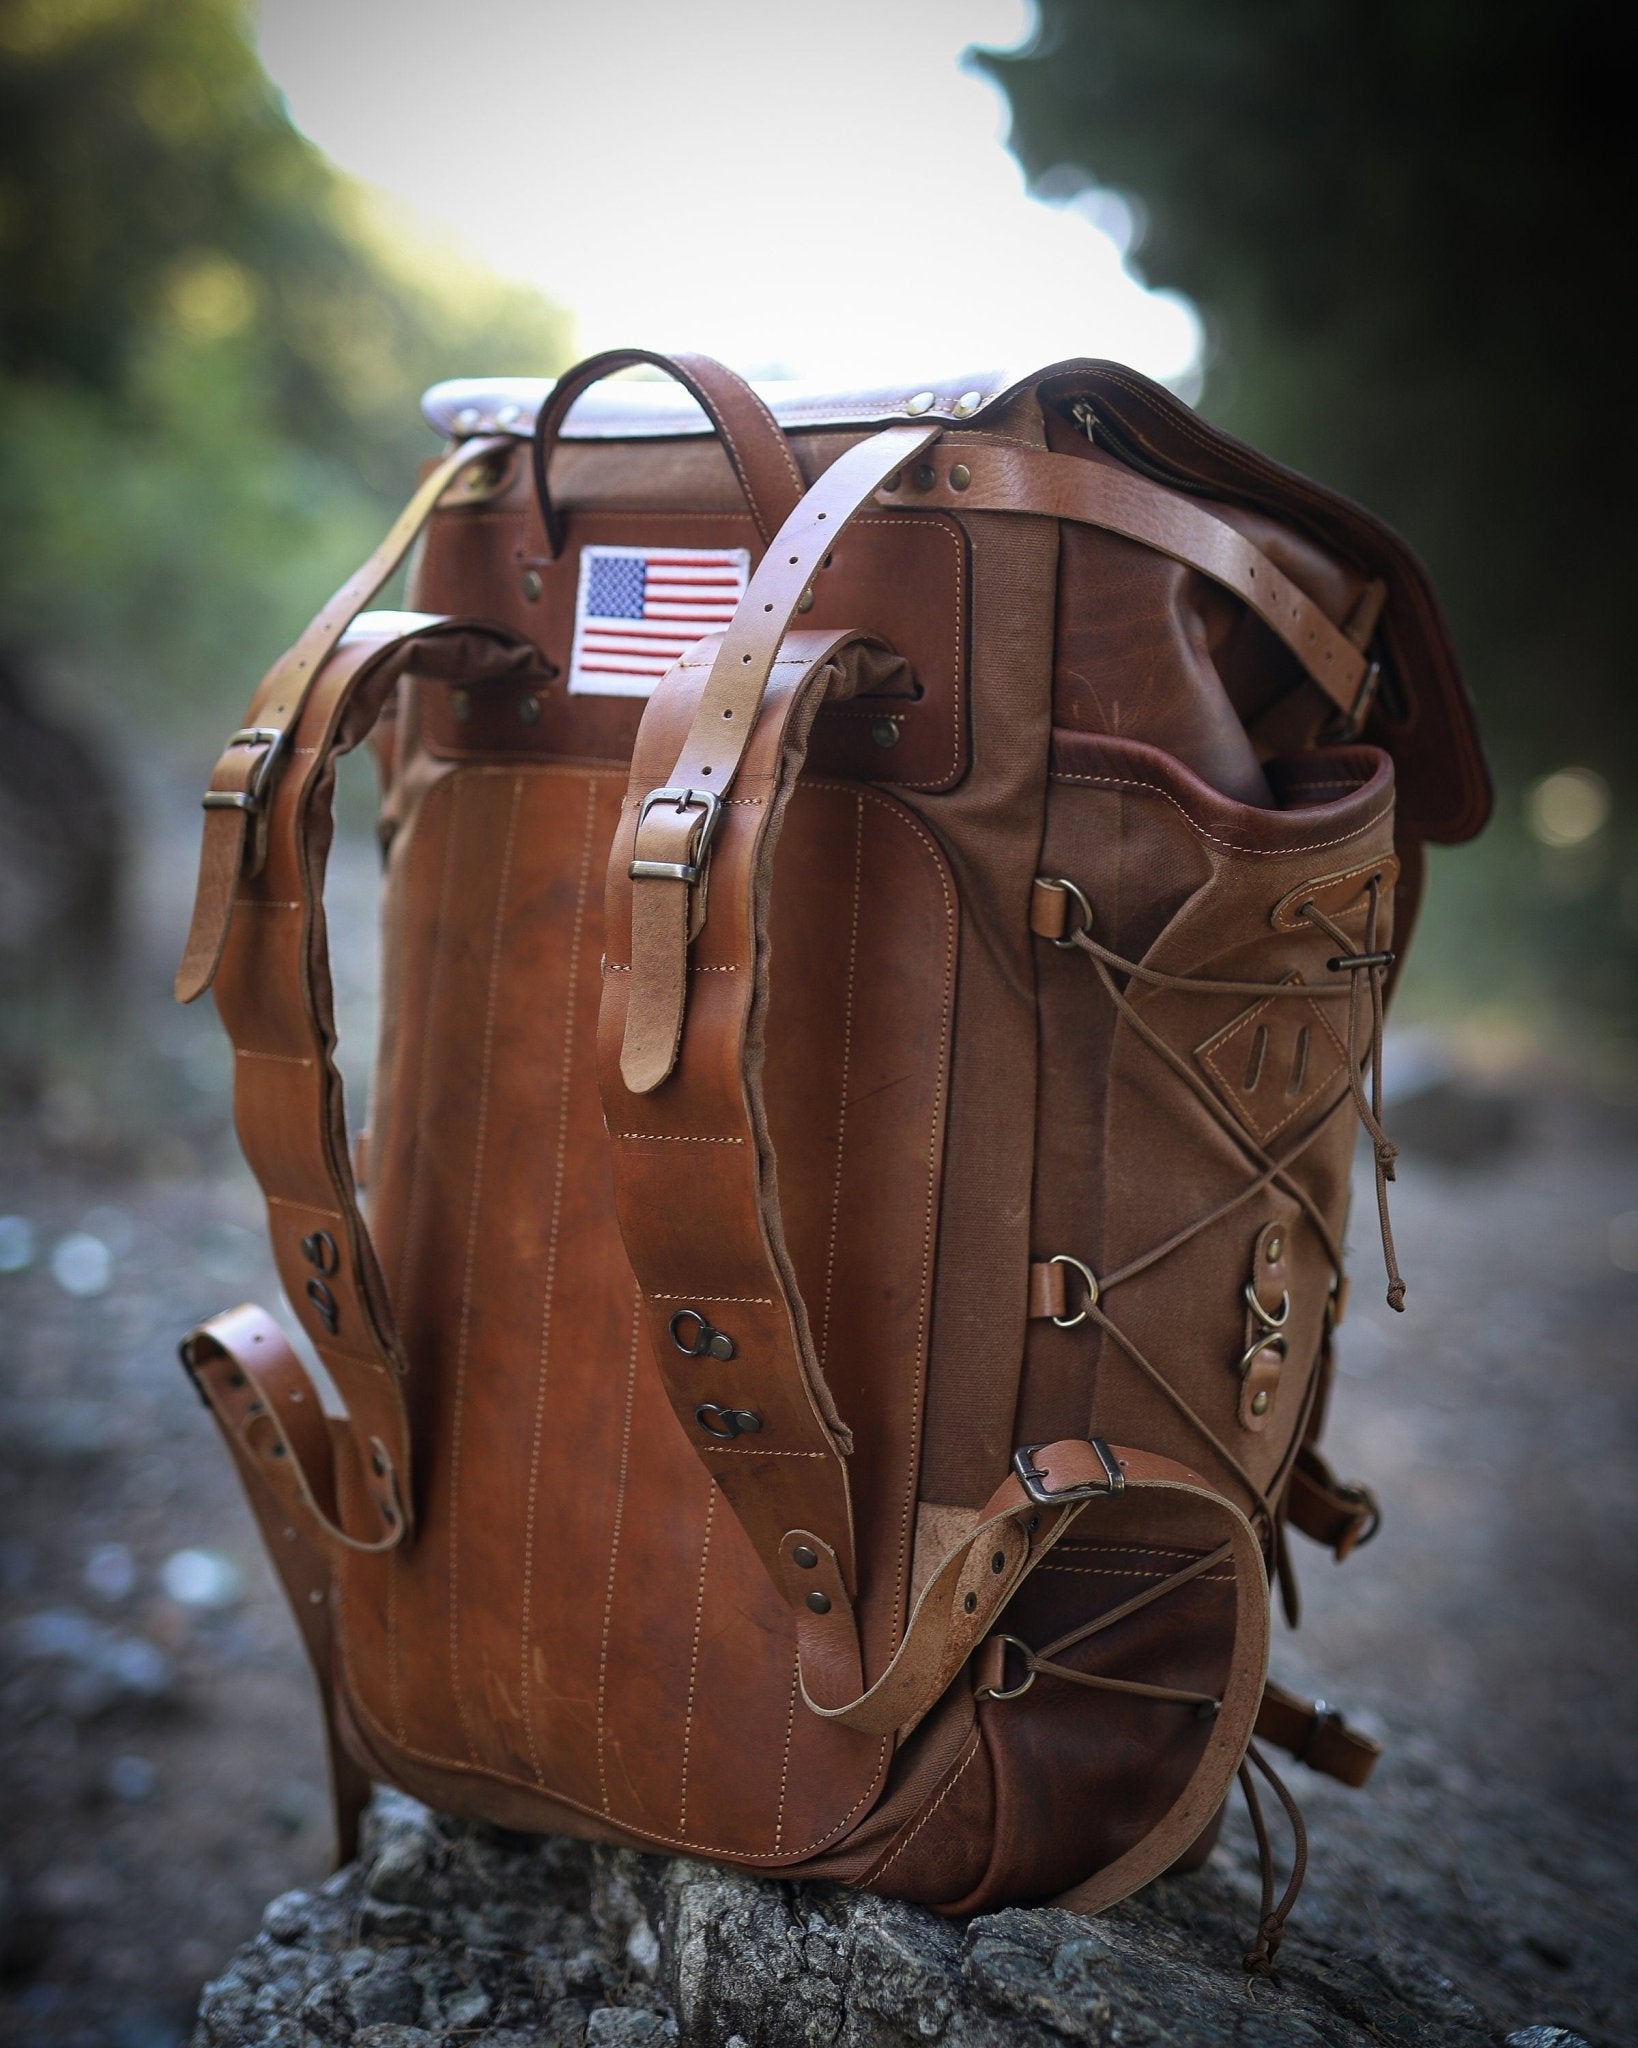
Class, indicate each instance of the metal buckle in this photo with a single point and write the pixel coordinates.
(251, 799)
(685, 799)
(1349, 724)
(1031, 1477)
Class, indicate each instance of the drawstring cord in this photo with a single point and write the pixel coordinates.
(1259, 1958)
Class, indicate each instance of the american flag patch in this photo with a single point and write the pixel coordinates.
(638, 608)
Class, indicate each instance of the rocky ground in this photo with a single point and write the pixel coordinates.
(159, 1761)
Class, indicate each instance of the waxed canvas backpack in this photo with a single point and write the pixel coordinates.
(889, 903)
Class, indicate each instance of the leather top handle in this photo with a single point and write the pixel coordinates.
(754, 441)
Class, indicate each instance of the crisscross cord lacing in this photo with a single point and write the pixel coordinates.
(1371, 964)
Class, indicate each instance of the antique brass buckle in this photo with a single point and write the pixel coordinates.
(710, 806)
(270, 737)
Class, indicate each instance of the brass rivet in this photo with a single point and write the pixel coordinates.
(1276, 1245)
(805, 1557)
(998, 1563)
(531, 585)
(278, 1450)
(819, 1602)
(805, 602)
(924, 401)
(924, 476)
(970, 1603)
(892, 482)
(885, 731)
(1259, 1402)
(529, 708)
(468, 417)
(509, 415)
(460, 702)
(968, 402)
(960, 477)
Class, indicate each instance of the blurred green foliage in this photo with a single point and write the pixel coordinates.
(1404, 224)
(212, 347)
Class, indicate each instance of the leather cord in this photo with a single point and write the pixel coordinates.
(753, 440)
(996, 476)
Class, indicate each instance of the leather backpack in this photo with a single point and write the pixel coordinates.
(890, 899)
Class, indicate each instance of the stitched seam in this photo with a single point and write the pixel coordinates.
(1110, 1571)
(735, 1451)
(736, 1300)
(624, 967)
(847, 1070)
(958, 670)
(785, 1757)
(1208, 1058)
(261, 903)
(544, 1358)
(309, 1208)
(614, 1552)
(418, 1145)
(467, 1275)
(882, 1868)
(288, 1059)
(694, 1657)
(1228, 845)
(897, 811)
(395, 1676)
(673, 1138)
(470, 1767)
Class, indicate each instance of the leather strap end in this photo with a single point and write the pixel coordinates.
(827, 1632)
(1316, 1735)
(221, 858)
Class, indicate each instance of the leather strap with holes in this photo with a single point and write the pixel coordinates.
(668, 907)
(751, 437)
(275, 1000)
(286, 1453)
(999, 477)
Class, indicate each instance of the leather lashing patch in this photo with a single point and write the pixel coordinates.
(1275, 1061)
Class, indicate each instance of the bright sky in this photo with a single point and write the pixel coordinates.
(812, 188)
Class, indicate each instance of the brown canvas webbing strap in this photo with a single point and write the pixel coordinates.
(275, 1000)
(998, 476)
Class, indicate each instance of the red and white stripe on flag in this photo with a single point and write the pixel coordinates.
(638, 608)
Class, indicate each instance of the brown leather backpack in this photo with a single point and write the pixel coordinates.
(888, 915)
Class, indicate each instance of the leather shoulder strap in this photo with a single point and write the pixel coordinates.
(996, 476)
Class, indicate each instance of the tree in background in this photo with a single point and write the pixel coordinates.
(212, 346)
(1404, 223)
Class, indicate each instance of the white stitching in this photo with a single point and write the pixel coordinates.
(467, 1273)
(614, 1549)
(544, 1356)
(951, 1784)
(847, 1068)
(1228, 845)
(694, 1658)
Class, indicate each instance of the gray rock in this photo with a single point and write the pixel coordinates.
(448, 1931)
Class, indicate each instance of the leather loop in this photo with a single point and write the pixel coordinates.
(1327, 1511)
(754, 441)
(1005, 478)
(235, 835)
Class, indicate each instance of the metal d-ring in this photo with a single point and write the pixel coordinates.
(1086, 1273)
(991, 1692)
(1076, 896)
(1268, 1320)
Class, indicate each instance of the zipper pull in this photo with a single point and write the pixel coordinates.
(1085, 418)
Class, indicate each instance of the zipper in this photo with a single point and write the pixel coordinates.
(1099, 432)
